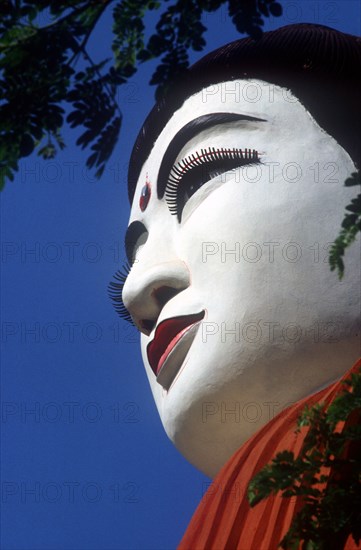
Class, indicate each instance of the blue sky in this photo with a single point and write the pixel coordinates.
(85, 461)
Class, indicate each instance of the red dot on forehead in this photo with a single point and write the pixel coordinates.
(145, 195)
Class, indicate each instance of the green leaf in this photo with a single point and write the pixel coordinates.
(276, 9)
(354, 179)
(26, 145)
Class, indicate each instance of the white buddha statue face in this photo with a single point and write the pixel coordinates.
(231, 288)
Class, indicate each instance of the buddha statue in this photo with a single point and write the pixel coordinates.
(237, 190)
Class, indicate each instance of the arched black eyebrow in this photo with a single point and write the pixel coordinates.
(134, 231)
(188, 132)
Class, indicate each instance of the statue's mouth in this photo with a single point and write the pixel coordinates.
(169, 347)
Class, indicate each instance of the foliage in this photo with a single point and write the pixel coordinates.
(46, 69)
(351, 225)
(326, 475)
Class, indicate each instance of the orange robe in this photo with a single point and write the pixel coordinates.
(224, 519)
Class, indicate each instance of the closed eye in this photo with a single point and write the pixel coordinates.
(192, 172)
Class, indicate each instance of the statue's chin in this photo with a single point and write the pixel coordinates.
(210, 429)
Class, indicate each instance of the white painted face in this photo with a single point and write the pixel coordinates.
(231, 287)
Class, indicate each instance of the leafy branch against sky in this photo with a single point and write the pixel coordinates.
(46, 69)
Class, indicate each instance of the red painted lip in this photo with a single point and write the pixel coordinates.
(167, 335)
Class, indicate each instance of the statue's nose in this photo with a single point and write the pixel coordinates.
(147, 290)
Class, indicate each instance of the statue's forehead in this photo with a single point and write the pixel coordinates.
(254, 98)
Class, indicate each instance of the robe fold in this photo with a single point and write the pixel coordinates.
(224, 519)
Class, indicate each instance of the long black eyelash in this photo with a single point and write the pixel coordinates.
(188, 163)
(115, 292)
